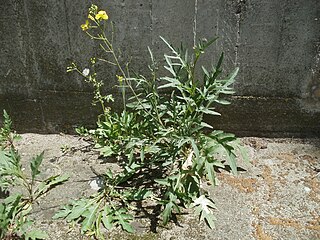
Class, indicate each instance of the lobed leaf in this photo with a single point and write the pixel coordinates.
(89, 218)
(35, 164)
(36, 234)
(203, 206)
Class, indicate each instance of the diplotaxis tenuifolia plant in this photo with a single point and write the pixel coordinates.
(15, 209)
(165, 149)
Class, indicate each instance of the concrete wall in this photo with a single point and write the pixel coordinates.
(275, 43)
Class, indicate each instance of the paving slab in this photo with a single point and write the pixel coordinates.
(277, 197)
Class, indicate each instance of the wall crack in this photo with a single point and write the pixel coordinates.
(195, 23)
(67, 21)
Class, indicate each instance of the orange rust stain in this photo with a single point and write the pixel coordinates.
(246, 185)
(313, 227)
(314, 224)
(267, 176)
(284, 222)
(260, 234)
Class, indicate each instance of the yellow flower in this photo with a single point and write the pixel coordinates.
(102, 15)
(90, 17)
(85, 26)
(120, 78)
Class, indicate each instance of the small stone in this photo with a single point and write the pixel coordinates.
(307, 190)
(96, 184)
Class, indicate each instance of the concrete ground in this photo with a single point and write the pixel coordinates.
(278, 197)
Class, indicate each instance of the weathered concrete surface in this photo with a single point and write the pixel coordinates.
(275, 44)
(278, 197)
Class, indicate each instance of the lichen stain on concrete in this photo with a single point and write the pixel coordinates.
(269, 181)
(313, 224)
(260, 234)
(284, 222)
(246, 185)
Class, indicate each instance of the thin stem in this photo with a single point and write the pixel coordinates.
(109, 45)
(194, 66)
(97, 90)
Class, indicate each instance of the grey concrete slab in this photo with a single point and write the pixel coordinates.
(277, 197)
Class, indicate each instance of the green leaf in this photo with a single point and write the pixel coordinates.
(35, 164)
(227, 91)
(204, 124)
(233, 75)
(203, 206)
(217, 72)
(62, 213)
(109, 173)
(138, 194)
(225, 137)
(164, 181)
(222, 101)
(50, 183)
(36, 234)
(209, 218)
(218, 164)
(210, 42)
(106, 151)
(126, 226)
(169, 207)
(210, 172)
(107, 218)
(205, 71)
(97, 226)
(210, 112)
(172, 83)
(13, 203)
(233, 163)
(131, 156)
(167, 43)
(170, 69)
(194, 147)
(192, 185)
(244, 154)
(79, 207)
(89, 218)
(215, 133)
(124, 219)
(151, 149)
(167, 212)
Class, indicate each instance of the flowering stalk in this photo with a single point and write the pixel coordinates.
(96, 20)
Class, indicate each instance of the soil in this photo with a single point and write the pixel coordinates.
(276, 197)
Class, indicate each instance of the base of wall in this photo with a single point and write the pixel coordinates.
(54, 112)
